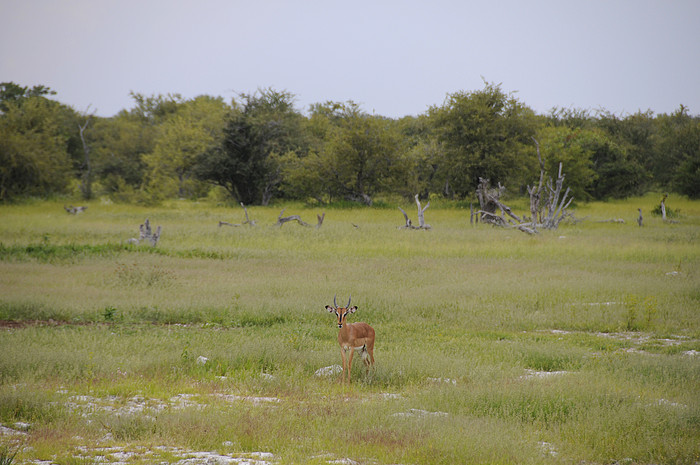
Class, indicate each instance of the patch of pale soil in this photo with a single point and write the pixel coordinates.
(252, 399)
(548, 449)
(534, 374)
(419, 413)
(123, 456)
(668, 403)
(637, 339)
(89, 405)
(443, 381)
(642, 338)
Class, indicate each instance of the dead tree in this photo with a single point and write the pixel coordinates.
(320, 217)
(663, 207)
(548, 207)
(408, 224)
(536, 193)
(247, 221)
(640, 219)
(667, 215)
(421, 217)
(146, 234)
(74, 210)
(554, 210)
(490, 202)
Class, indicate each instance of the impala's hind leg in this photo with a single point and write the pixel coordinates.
(368, 357)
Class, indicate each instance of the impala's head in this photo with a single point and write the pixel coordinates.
(341, 312)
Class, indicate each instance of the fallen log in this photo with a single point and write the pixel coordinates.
(74, 210)
(281, 220)
(613, 220)
(247, 221)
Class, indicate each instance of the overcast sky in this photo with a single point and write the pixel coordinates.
(395, 58)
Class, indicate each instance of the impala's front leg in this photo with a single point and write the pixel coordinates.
(350, 363)
(342, 354)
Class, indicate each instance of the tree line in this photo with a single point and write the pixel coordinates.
(260, 147)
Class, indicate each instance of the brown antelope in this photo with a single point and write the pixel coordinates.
(353, 337)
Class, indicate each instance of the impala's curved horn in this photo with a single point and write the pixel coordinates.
(335, 304)
(349, 301)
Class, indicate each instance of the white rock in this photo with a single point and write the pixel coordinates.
(20, 425)
(4, 431)
(329, 371)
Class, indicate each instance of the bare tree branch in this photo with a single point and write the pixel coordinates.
(421, 217)
(281, 220)
(146, 234)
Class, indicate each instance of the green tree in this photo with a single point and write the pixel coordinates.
(424, 157)
(364, 155)
(360, 156)
(194, 129)
(678, 152)
(573, 148)
(617, 175)
(261, 128)
(13, 93)
(118, 145)
(635, 135)
(485, 133)
(154, 109)
(33, 155)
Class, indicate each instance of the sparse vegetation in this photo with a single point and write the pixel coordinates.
(579, 345)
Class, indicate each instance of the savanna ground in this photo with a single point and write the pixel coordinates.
(573, 346)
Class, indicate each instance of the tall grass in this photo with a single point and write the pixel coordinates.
(492, 346)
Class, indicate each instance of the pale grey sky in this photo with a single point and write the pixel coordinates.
(394, 57)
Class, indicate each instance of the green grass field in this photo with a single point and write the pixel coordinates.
(576, 346)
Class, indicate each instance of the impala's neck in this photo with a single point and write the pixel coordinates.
(344, 332)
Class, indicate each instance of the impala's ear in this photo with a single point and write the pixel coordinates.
(330, 309)
(352, 309)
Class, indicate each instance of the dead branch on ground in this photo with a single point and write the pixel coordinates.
(548, 205)
(281, 220)
(74, 210)
(247, 221)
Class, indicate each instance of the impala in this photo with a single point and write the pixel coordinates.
(353, 337)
